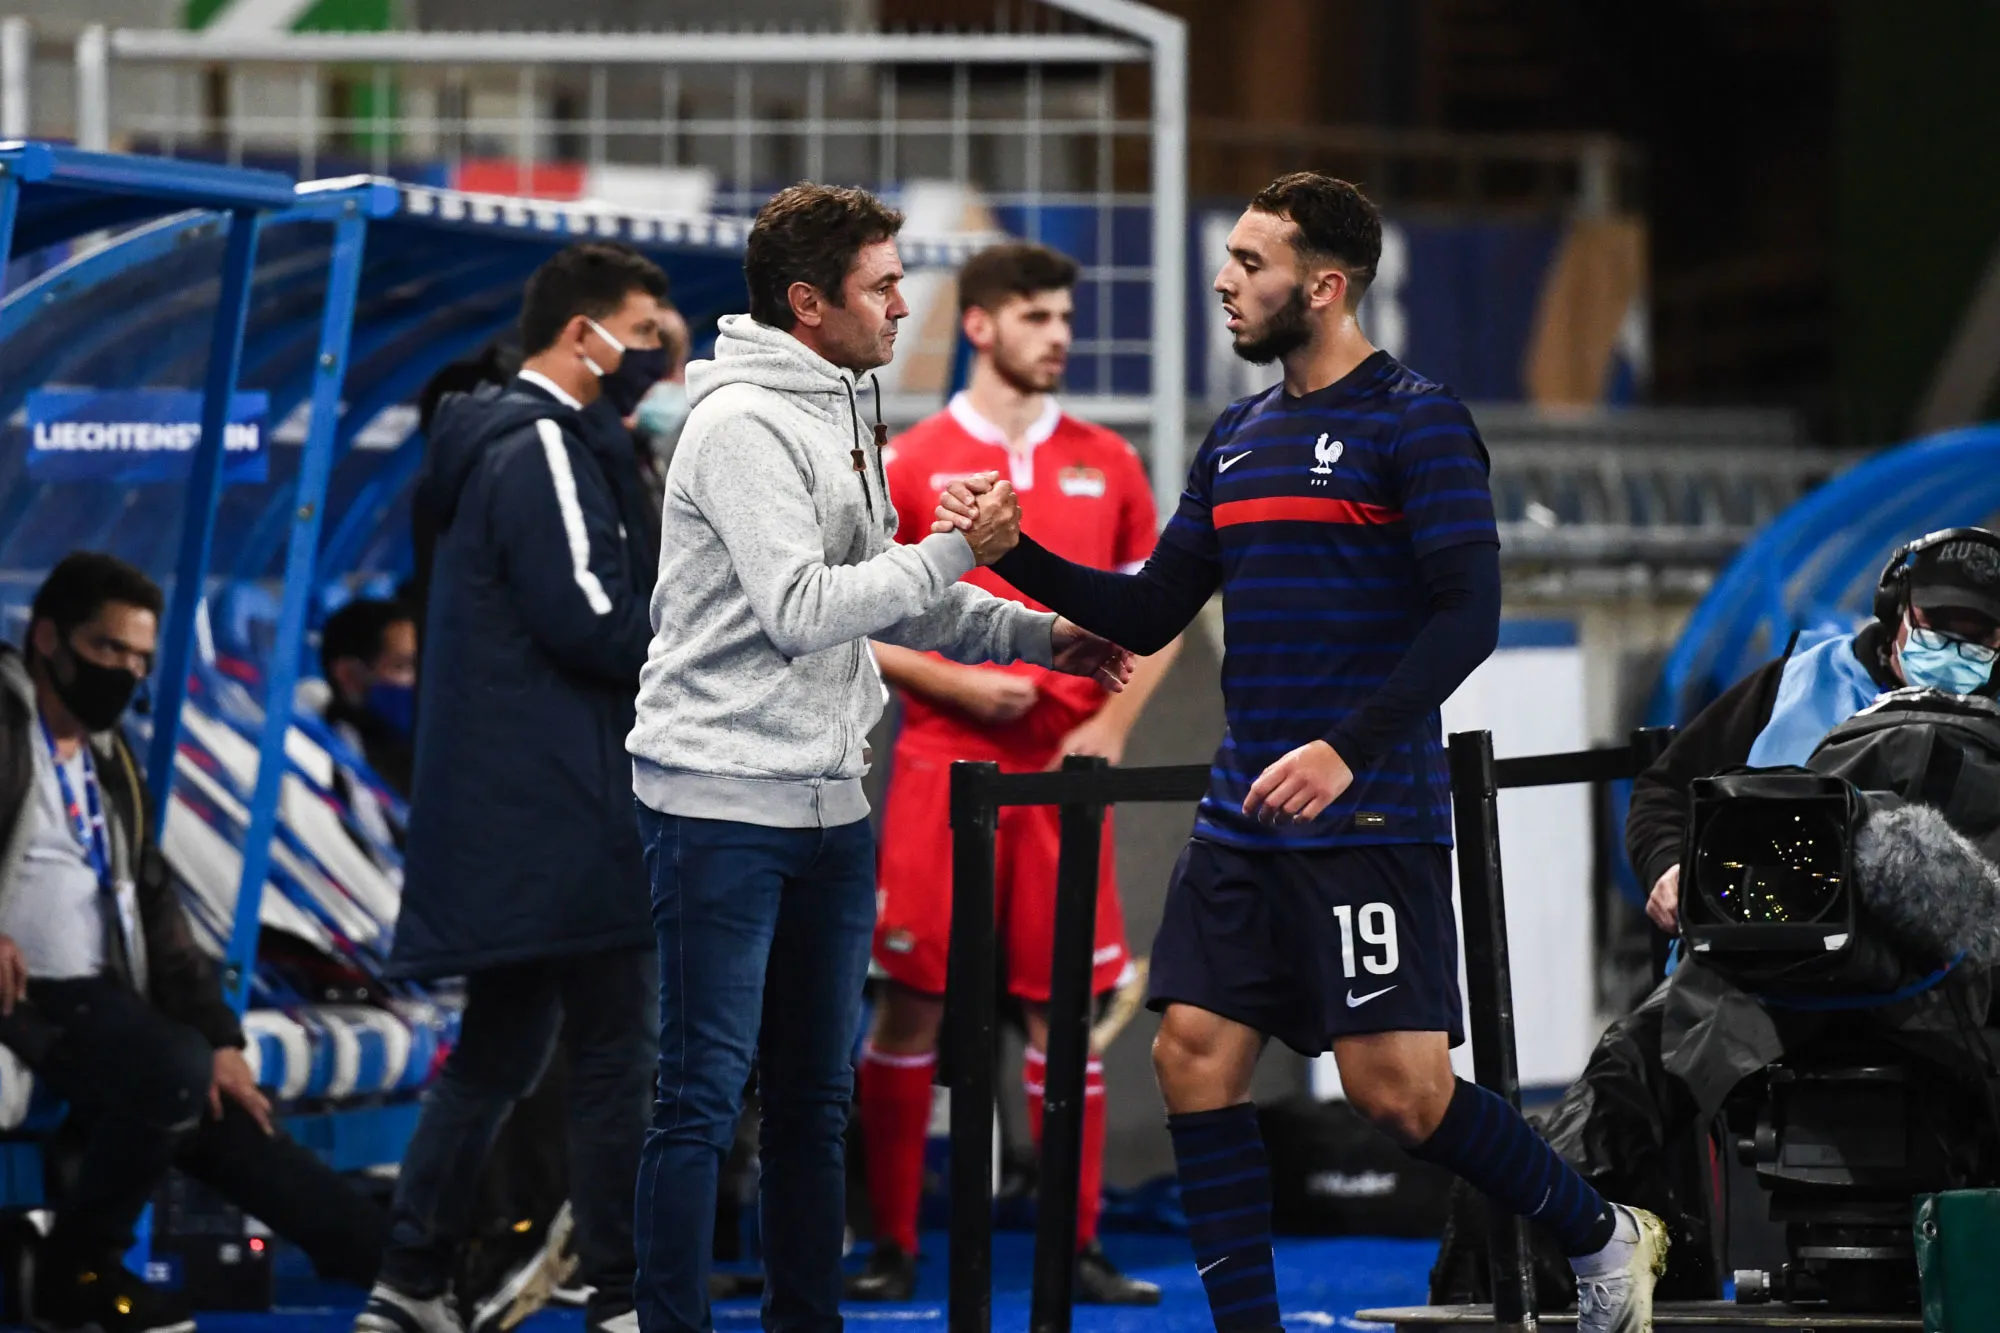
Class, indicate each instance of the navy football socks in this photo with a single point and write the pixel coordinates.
(1226, 1193)
(1486, 1142)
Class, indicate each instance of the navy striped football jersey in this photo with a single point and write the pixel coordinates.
(1312, 514)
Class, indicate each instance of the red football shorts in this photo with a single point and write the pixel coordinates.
(913, 878)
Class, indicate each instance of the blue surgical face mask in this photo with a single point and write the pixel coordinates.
(663, 411)
(1934, 661)
(394, 705)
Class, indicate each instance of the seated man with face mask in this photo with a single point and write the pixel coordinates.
(368, 656)
(105, 993)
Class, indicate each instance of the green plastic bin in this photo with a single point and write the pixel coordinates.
(1958, 1258)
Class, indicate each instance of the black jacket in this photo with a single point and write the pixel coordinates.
(522, 842)
(1719, 737)
(386, 749)
(180, 978)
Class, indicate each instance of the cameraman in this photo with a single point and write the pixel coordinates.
(1667, 1066)
(1937, 625)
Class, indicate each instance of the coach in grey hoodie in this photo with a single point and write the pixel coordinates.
(778, 562)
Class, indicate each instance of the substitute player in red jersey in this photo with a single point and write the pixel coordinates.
(1082, 492)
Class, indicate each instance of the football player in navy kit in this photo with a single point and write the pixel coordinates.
(1346, 516)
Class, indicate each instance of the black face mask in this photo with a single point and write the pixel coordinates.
(638, 370)
(97, 695)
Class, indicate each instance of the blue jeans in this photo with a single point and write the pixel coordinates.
(764, 936)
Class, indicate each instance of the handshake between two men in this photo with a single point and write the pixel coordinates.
(986, 510)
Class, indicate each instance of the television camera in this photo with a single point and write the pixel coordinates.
(1845, 914)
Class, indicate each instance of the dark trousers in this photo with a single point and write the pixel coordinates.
(526, 1180)
(595, 1006)
(764, 937)
(527, 1175)
(137, 1086)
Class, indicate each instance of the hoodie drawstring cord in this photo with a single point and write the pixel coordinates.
(853, 433)
(881, 443)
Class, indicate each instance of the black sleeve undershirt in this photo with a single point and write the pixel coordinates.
(1142, 612)
(1463, 585)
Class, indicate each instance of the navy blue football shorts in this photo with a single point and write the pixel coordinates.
(1309, 946)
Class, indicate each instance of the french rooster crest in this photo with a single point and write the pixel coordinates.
(1328, 452)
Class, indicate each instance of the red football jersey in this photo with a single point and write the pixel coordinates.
(1084, 495)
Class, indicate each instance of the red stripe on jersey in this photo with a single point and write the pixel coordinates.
(1302, 509)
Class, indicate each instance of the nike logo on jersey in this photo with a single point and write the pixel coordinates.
(1356, 1001)
(1208, 1268)
(1223, 465)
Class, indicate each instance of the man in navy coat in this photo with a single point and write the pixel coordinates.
(523, 871)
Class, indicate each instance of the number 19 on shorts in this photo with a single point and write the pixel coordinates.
(1376, 924)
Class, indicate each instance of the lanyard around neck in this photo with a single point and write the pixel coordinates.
(86, 817)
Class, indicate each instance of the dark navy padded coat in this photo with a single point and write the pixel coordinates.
(522, 840)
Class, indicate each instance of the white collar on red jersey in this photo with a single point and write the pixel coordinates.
(1022, 456)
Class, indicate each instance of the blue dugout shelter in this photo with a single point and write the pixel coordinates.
(336, 301)
(52, 195)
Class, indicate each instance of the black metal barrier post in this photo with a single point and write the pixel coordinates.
(1084, 788)
(1648, 744)
(1476, 824)
(1476, 782)
(969, 1018)
(1066, 1078)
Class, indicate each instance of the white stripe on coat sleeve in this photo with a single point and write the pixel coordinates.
(557, 455)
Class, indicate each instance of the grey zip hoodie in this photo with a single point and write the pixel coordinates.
(778, 561)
